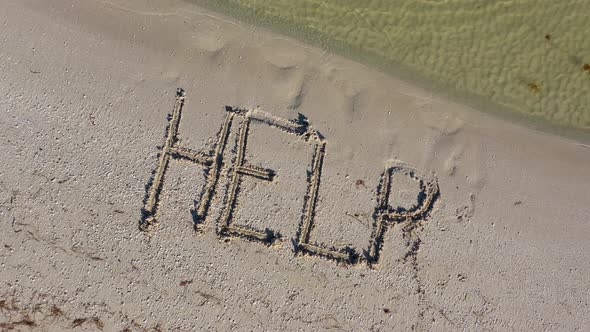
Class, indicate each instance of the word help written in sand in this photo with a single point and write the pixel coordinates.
(383, 216)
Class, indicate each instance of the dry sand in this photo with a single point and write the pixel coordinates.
(85, 89)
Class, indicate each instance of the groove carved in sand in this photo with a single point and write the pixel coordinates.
(384, 215)
(298, 128)
(212, 161)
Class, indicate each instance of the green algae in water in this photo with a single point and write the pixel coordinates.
(527, 57)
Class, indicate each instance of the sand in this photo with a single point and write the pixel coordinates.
(337, 197)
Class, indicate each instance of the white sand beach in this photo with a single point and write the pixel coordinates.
(327, 196)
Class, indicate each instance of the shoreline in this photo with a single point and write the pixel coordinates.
(401, 71)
